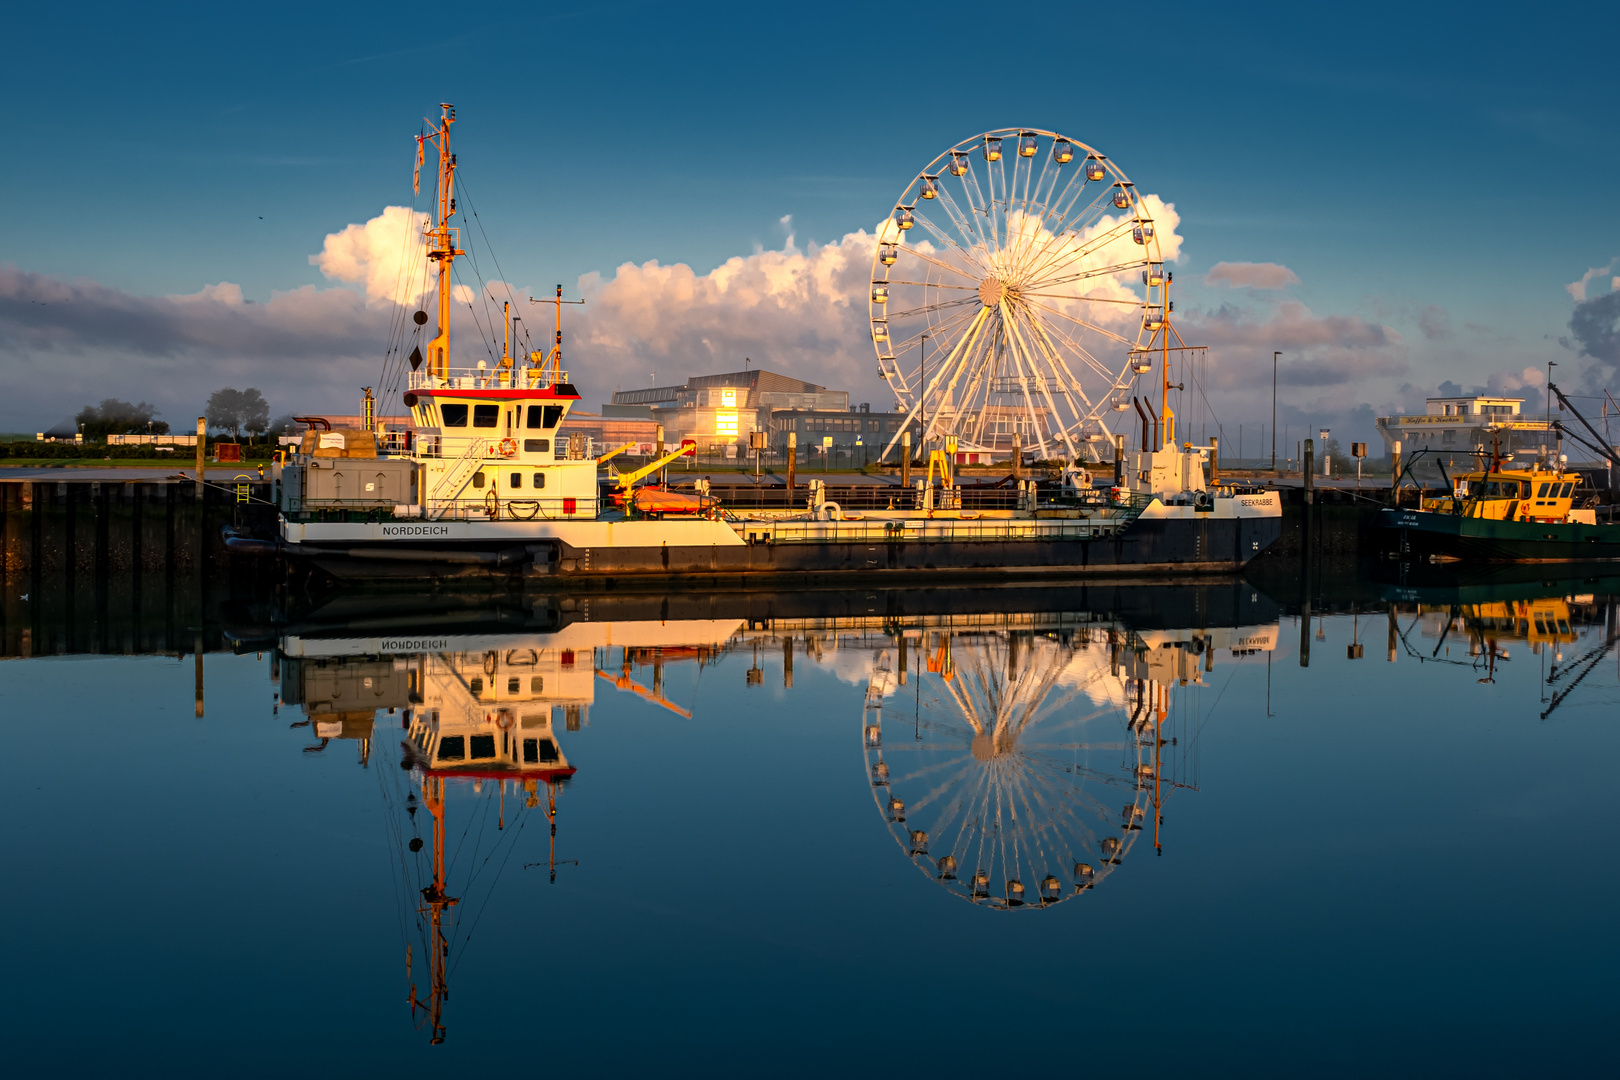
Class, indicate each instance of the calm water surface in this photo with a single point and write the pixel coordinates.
(1061, 832)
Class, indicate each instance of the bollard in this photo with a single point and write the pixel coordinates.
(1018, 457)
(1119, 461)
(905, 459)
(792, 461)
(1214, 462)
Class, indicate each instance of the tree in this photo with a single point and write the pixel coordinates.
(233, 410)
(115, 417)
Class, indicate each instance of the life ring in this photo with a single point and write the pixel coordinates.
(504, 719)
(508, 447)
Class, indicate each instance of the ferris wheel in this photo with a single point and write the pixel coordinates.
(1011, 786)
(1015, 286)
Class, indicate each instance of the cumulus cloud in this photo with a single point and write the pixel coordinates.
(1577, 289)
(1248, 275)
(794, 310)
(1319, 350)
(387, 255)
(1594, 331)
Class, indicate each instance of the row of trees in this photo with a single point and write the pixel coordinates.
(228, 409)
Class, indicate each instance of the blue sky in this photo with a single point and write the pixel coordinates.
(1443, 172)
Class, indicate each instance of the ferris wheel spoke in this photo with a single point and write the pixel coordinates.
(1063, 375)
(945, 266)
(1079, 350)
(909, 313)
(941, 235)
(1093, 327)
(1019, 359)
(965, 223)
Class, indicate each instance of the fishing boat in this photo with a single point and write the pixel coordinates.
(489, 480)
(1542, 512)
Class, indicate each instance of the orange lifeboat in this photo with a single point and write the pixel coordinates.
(656, 500)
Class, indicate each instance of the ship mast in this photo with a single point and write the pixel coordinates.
(441, 238)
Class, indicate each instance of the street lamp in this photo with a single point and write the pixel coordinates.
(1327, 464)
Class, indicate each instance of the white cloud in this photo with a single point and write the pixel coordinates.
(1248, 275)
(388, 255)
(1577, 289)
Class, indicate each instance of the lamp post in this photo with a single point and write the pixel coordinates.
(1274, 410)
(924, 389)
(1327, 463)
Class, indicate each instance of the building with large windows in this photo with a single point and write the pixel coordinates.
(1473, 423)
(720, 411)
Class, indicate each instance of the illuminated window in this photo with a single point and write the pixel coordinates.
(725, 423)
(728, 398)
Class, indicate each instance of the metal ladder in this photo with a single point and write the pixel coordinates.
(453, 479)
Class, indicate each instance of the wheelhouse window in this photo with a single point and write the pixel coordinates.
(1569, 487)
(539, 479)
(454, 415)
(483, 746)
(453, 748)
(536, 446)
(486, 415)
(544, 416)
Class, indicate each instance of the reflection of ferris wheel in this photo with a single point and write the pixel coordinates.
(1016, 277)
(1011, 787)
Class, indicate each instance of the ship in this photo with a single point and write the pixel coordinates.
(489, 481)
(1540, 512)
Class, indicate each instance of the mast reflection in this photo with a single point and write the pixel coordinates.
(484, 716)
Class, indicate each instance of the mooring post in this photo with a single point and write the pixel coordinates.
(202, 439)
(1214, 462)
(1308, 460)
(792, 462)
(1018, 457)
(1119, 461)
(1395, 473)
(905, 459)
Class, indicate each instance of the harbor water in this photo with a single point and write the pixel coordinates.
(1326, 827)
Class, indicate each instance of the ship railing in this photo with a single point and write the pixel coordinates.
(947, 530)
(484, 378)
(512, 507)
(559, 446)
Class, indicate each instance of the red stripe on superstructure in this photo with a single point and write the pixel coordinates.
(497, 774)
(502, 394)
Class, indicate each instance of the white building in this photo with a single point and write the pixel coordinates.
(1467, 424)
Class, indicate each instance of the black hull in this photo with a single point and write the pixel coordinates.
(1148, 547)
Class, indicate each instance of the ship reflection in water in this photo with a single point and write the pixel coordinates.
(479, 712)
(1016, 759)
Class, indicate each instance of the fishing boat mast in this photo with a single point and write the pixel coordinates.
(441, 237)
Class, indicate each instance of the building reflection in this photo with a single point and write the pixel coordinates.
(1027, 761)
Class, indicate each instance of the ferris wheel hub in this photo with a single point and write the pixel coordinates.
(991, 292)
